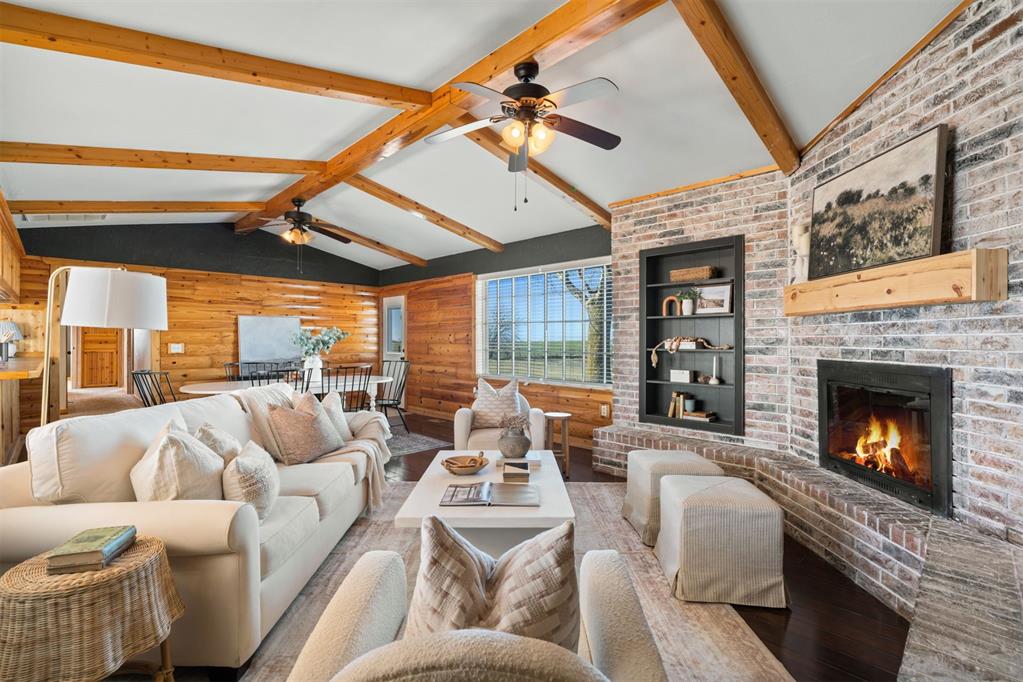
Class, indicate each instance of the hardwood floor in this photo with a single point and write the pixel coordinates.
(833, 630)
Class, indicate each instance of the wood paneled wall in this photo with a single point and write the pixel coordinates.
(202, 312)
(440, 344)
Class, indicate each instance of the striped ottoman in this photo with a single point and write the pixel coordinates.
(645, 469)
(721, 541)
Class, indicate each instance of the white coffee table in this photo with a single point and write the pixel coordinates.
(492, 529)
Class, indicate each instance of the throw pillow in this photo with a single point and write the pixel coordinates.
(305, 432)
(334, 404)
(252, 477)
(177, 466)
(491, 405)
(220, 441)
(530, 591)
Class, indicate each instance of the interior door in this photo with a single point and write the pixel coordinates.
(100, 350)
(394, 332)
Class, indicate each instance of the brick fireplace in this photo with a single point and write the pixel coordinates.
(878, 540)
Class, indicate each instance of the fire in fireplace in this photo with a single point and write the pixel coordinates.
(887, 426)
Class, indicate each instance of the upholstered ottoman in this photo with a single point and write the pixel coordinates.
(721, 541)
(645, 469)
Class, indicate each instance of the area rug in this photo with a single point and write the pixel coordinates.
(402, 443)
(696, 641)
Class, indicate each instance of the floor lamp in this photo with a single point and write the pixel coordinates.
(103, 297)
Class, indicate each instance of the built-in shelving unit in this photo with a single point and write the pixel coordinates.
(726, 399)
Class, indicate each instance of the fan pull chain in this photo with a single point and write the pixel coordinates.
(525, 188)
(515, 181)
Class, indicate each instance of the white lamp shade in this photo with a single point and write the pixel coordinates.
(105, 297)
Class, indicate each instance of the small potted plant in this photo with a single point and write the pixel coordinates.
(514, 443)
(689, 296)
(314, 345)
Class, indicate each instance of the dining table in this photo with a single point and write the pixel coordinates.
(341, 386)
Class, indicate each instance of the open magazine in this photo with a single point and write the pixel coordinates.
(490, 494)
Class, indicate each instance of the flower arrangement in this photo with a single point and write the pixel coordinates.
(313, 345)
(516, 421)
(689, 294)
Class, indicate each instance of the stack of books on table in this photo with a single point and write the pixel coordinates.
(699, 416)
(90, 550)
(515, 471)
(532, 459)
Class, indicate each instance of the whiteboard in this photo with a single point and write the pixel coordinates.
(267, 339)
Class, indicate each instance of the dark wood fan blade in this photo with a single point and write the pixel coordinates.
(583, 131)
(580, 92)
(318, 228)
(437, 138)
(518, 161)
(481, 90)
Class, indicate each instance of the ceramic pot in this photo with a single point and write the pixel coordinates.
(688, 306)
(690, 404)
(513, 443)
(315, 363)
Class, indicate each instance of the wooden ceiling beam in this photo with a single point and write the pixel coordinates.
(361, 182)
(37, 207)
(568, 29)
(77, 155)
(341, 234)
(491, 141)
(715, 36)
(8, 227)
(48, 31)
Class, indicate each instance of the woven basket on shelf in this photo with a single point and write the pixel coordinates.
(84, 626)
(696, 274)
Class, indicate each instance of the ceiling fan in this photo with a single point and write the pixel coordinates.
(530, 108)
(303, 225)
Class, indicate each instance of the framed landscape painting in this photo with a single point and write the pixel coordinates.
(883, 211)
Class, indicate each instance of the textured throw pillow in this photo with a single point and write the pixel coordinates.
(530, 591)
(334, 405)
(177, 466)
(491, 406)
(252, 477)
(303, 433)
(220, 441)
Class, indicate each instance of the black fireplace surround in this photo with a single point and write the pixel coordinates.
(889, 427)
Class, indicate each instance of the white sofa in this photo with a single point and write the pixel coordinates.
(356, 638)
(236, 575)
(468, 438)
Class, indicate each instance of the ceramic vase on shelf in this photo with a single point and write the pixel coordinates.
(688, 306)
(314, 363)
(513, 443)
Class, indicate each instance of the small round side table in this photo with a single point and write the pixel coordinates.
(84, 626)
(563, 418)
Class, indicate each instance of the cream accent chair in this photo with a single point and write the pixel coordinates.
(468, 438)
(356, 637)
(236, 574)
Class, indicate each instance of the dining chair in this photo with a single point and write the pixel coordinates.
(351, 381)
(397, 370)
(148, 385)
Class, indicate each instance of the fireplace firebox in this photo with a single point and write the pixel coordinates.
(889, 427)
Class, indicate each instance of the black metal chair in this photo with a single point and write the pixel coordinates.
(351, 381)
(147, 384)
(298, 378)
(393, 391)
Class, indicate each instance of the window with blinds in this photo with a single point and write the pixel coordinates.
(550, 325)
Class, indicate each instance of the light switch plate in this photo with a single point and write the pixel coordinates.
(175, 348)
(605, 409)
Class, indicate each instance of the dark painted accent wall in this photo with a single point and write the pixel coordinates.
(215, 247)
(194, 246)
(587, 242)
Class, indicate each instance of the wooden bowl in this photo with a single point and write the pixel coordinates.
(465, 465)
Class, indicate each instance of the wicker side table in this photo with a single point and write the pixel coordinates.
(84, 626)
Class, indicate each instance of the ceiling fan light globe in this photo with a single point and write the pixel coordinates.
(540, 138)
(514, 134)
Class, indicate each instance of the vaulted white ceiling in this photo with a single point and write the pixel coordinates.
(678, 122)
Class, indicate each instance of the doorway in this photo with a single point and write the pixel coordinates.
(394, 328)
(100, 357)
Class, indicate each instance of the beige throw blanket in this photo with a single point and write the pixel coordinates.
(371, 432)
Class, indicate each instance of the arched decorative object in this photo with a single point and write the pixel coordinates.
(666, 306)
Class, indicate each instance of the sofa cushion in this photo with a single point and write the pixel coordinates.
(327, 483)
(252, 478)
(303, 432)
(492, 405)
(356, 459)
(483, 439)
(222, 411)
(177, 466)
(334, 406)
(291, 521)
(220, 441)
(89, 459)
(531, 590)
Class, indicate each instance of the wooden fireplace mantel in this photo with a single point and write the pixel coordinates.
(960, 277)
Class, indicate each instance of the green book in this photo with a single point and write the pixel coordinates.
(96, 545)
